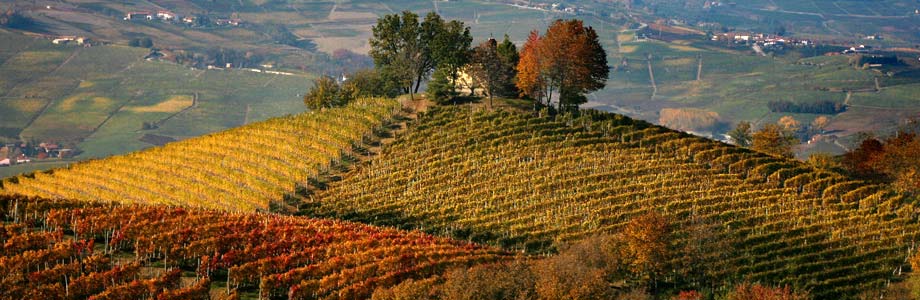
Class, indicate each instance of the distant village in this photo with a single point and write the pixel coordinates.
(23, 153)
(171, 17)
(556, 7)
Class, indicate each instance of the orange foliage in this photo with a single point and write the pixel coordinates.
(648, 243)
(896, 159)
(567, 58)
(747, 291)
(529, 80)
(688, 119)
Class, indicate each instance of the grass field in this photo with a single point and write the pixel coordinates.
(98, 98)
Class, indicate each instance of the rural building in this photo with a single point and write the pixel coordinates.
(166, 15)
(231, 22)
(466, 85)
(188, 20)
(48, 147)
(138, 15)
(5, 162)
(22, 158)
(68, 39)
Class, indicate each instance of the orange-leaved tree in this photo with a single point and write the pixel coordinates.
(647, 240)
(567, 59)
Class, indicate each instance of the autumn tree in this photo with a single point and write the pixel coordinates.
(324, 94)
(819, 124)
(746, 291)
(647, 240)
(741, 135)
(568, 59)
(895, 159)
(789, 124)
(773, 139)
(529, 80)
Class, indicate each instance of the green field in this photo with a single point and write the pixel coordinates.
(96, 99)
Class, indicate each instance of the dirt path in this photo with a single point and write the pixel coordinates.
(246, 116)
(69, 58)
(840, 8)
(413, 107)
(651, 76)
(699, 68)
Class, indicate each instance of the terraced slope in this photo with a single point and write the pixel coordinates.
(526, 182)
(79, 250)
(241, 169)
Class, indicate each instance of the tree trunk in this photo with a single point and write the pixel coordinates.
(418, 82)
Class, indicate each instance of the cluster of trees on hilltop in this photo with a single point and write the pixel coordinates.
(567, 60)
(406, 51)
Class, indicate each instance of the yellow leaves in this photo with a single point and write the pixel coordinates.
(647, 238)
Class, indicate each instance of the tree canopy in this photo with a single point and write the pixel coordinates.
(568, 59)
(406, 51)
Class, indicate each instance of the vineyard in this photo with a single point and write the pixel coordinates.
(527, 183)
(242, 169)
(54, 249)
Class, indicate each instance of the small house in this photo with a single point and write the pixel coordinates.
(138, 15)
(5, 162)
(166, 15)
(188, 20)
(231, 22)
(22, 158)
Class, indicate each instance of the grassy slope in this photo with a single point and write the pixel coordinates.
(526, 183)
(96, 99)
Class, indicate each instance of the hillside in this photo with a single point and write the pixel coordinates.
(528, 183)
(97, 99)
(243, 169)
(78, 250)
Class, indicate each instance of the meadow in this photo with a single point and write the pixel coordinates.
(97, 98)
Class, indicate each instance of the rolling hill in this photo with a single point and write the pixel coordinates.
(241, 169)
(528, 183)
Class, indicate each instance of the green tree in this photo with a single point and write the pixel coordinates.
(441, 88)
(741, 135)
(369, 83)
(509, 56)
(451, 50)
(146, 42)
(324, 94)
(396, 51)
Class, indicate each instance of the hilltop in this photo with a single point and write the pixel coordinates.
(530, 183)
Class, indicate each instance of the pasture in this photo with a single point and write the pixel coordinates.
(96, 99)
